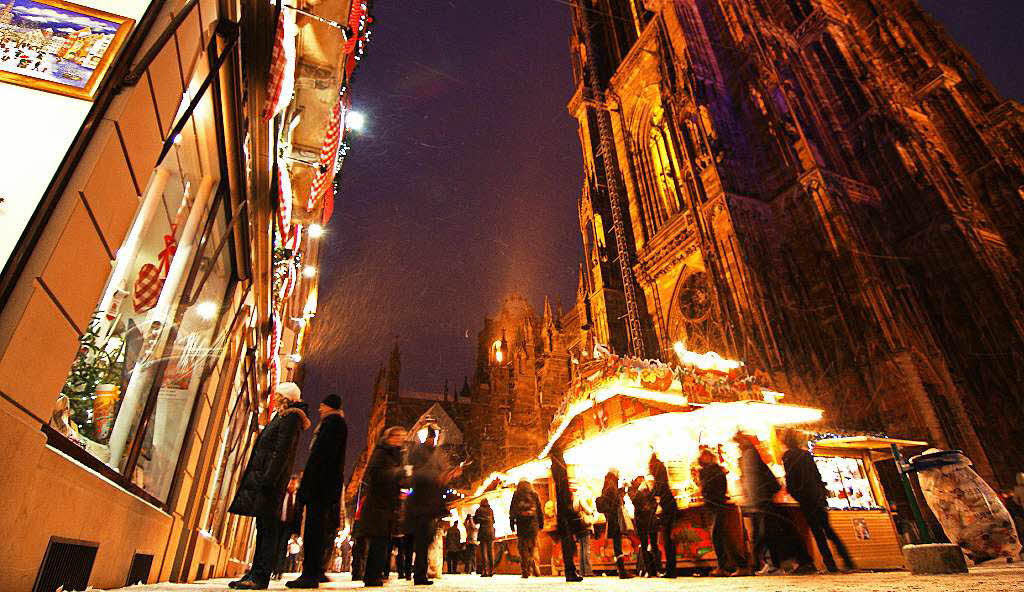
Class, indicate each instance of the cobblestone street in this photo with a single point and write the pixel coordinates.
(982, 579)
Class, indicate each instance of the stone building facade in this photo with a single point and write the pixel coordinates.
(829, 190)
(523, 370)
(501, 416)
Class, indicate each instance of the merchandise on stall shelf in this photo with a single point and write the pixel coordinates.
(847, 483)
(970, 512)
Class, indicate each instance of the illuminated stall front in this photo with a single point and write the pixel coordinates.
(860, 511)
(621, 411)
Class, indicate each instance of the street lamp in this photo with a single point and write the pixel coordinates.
(355, 121)
(207, 310)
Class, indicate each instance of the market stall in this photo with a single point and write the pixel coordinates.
(859, 508)
(621, 410)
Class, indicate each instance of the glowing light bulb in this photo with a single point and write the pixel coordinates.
(315, 231)
(308, 271)
(355, 121)
(207, 310)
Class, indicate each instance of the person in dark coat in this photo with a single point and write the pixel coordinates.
(261, 489)
(484, 518)
(610, 504)
(469, 553)
(668, 508)
(320, 491)
(383, 485)
(526, 517)
(568, 521)
(645, 508)
(715, 491)
(291, 523)
(772, 530)
(425, 505)
(452, 547)
(804, 483)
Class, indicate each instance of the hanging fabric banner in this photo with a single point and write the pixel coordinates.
(281, 78)
(324, 178)
(284, 207)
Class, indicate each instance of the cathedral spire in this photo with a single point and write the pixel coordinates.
(394, 369)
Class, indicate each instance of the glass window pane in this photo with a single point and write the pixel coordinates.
(847, 483)
(198, 344)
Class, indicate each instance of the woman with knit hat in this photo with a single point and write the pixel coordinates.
(262, 487)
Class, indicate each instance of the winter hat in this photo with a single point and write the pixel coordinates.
(289, 390)
(333, 401)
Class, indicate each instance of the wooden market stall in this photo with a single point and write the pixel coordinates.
(859, 508)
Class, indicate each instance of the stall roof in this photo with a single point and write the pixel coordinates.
(603, 394)
(866, 443)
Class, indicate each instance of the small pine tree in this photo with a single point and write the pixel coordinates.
(93, 366)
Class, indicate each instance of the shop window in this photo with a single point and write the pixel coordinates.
(194, 345)
(847, 483)
(230, 453)
(128, 396)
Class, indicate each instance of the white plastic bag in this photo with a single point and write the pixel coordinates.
(970, 512)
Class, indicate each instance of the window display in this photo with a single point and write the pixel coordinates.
(197, 345)
(230, 453)
(144, 355)
(847, 483)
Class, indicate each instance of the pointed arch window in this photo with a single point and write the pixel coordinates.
(665, 166)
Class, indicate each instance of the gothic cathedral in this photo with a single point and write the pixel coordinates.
(829, 190)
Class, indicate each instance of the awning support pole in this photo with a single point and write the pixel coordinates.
(924, 532)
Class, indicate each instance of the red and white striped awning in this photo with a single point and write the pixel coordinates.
(281, 78)
(324, 177)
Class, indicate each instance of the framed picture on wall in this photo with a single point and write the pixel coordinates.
(58, 46)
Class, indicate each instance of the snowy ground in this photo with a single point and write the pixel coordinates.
(983, 579)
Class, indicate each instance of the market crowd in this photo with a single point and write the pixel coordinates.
(401, 510)
(413, 530)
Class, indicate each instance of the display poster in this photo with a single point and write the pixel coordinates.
(43, 114)
(860, 528)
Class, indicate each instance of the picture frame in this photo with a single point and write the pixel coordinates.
(57, 46)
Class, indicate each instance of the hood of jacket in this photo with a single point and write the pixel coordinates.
(297, 409)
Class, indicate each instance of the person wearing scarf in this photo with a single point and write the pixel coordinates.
(320, 491)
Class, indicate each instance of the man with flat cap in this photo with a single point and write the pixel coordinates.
(320, 491)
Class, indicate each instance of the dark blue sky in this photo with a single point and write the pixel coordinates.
(464, 186)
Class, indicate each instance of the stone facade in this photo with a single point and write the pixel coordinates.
(503, 414)
(829, 190)
(523, 368)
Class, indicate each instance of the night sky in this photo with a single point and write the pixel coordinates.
(463, 187)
